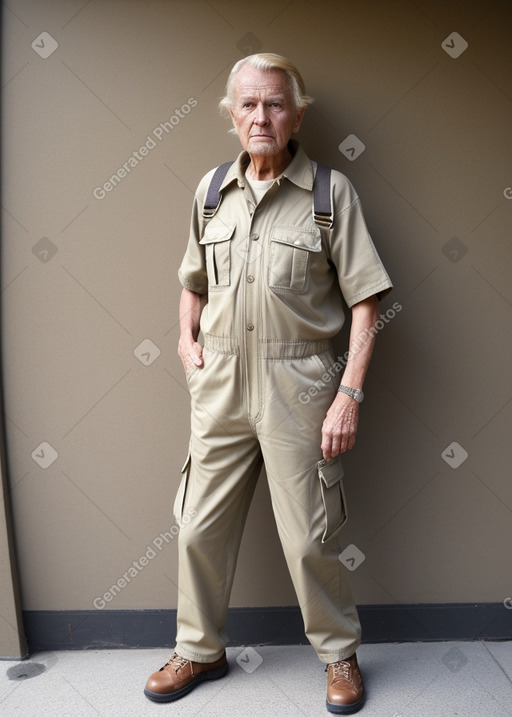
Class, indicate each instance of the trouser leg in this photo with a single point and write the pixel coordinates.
(225, 461)
(308, 512)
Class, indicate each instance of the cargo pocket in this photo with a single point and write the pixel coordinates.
(179, 501)
(331, 485)
(217, 243)
(290, 251)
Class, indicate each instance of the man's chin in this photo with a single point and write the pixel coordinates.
(266, 148)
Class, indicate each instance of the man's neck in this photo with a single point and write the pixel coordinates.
(264, 166)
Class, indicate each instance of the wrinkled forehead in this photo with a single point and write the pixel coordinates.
(251, 81)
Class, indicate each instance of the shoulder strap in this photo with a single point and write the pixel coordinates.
(322, 199)
(214, 197)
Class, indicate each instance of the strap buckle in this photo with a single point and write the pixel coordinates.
(326, 221)
(210, 211)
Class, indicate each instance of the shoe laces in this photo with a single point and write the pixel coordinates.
(177, 662)
(341, 669)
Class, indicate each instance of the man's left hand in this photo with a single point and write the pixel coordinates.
(339, 428)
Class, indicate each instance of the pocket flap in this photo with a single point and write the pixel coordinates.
(187, 462)
(217, 230)
(179, 500)
(331, 472)
(309, 239)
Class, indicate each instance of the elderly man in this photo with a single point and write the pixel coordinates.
(264, 282)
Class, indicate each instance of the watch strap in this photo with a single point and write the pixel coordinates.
(354, 393)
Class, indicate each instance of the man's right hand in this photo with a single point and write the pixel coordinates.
(191, 307)
(191, 353)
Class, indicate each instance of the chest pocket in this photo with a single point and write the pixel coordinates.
(217, 243)
(290, 255)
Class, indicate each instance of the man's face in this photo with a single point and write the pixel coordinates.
(263, 110)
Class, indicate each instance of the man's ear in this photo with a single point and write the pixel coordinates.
(232, 115)
(298, 120)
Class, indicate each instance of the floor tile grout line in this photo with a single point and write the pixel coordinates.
(497, 662)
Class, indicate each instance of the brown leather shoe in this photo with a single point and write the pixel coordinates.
(179, 676)
(345, 693)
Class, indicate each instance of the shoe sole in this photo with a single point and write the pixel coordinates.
(345, 709)
(201, 677)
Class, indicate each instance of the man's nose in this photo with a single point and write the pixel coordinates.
(261, 116)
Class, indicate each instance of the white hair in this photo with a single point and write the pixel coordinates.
(269, 61)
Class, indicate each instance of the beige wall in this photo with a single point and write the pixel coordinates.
(85, 281)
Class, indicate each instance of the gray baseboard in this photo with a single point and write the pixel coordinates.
(86, 629)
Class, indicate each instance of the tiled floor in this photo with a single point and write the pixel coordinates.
(467, 679)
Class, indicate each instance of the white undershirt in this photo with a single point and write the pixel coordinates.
(259, 186)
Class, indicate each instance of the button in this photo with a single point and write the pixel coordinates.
(250, 278)
(254, 237)
(250, 327)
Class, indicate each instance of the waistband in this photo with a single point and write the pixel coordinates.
(269, 348)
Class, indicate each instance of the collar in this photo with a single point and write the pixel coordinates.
(299, 171)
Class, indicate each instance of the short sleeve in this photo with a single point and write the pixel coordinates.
(361, 273)
(192, 272)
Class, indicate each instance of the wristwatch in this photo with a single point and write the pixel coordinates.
(354, 393)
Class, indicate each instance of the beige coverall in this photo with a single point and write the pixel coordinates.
(274, 282)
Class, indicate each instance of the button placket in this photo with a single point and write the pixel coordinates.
(251, 314)
(251, 270)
